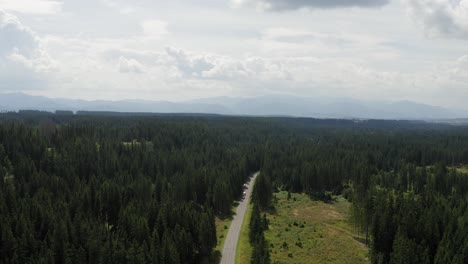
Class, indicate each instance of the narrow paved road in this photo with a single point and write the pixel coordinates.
(230, 244)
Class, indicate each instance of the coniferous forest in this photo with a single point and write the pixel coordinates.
(122, 188)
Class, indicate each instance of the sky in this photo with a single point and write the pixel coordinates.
(375, 50)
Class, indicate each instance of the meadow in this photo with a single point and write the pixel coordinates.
(305, 231)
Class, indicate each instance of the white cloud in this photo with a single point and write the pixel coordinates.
(40, 62)
(298, 4)
(213, 66)
(154, 28)
(129, 65)
(14, 36)
(22, 57)
(300, 35)
(42, 7)
(284, 33)
(441, 17)
(21, 45)
(121, 8)
(92, 50)
(455, 72)
(188, 64)
(463, 61)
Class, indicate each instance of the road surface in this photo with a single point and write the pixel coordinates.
(230, 244)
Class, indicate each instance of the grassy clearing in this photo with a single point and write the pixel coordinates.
(244, 250)
(131, 143)
(306, 231)
(222, 228)
(462, 169)
(136, 143)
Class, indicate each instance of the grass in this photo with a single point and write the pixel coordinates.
(462, 169)
(244, 250)
(136, 143)
(222, 228)
(306, 231)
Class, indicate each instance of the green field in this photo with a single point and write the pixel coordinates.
(244, 249)
(306, 231)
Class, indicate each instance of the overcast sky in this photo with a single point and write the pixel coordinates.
(183, 49)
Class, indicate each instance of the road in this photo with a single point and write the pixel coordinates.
(230, 244)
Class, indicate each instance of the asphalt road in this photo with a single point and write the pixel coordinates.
(230, 244)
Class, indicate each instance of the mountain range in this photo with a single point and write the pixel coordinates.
(273, 105)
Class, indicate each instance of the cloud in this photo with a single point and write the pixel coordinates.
(288, 34)
(335, 52)
(456, 72)
(189, 64)
(42, 7)
(21, 45)
(14, 36)
(297, 35)
(129, 65)
(441, 17)
(298, 4)
(154, 28)
(23, 60)
(121, 8)
(213, 66)
(463, 61)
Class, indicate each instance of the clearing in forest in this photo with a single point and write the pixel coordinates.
(306, 231)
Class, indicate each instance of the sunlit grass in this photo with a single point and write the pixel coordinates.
(222, 228)
(306, 231)
(462, 169)
(244, 249)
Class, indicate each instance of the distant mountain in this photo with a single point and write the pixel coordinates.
(333, 108)
(273, 105)
(19, 101)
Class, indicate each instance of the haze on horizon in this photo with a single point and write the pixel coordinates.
(375, 50)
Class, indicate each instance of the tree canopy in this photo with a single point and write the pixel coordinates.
(107, 188)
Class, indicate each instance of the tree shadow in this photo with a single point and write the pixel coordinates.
(323, 196)
(271, 210)
(215, 257)
(360, 240)
(228, 216)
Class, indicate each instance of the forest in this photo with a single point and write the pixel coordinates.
(139, 188)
